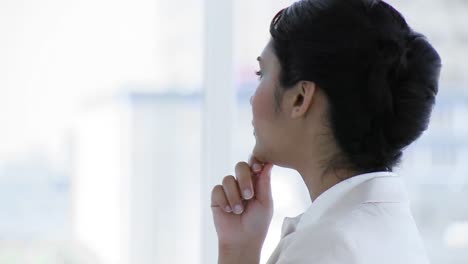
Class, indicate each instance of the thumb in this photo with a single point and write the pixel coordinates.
(263, 184)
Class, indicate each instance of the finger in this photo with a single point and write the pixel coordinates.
(218, 199)
(244, 179)
(263, 184)
(231, 189)
(255, 164)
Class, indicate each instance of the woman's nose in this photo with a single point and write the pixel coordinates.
(251, 97)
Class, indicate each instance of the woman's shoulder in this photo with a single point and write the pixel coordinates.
(371, 233)
(323, 242)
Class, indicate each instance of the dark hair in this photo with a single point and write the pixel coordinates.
(380, 77)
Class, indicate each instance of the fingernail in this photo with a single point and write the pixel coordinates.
(237, 209)
(227, 209)
(257, 167)
(247, 194)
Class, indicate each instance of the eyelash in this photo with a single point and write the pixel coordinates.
(259, 74)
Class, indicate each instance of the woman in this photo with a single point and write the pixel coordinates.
(344, 87)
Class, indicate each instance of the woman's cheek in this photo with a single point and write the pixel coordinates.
(260, 104)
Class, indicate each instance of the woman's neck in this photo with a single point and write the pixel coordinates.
(315, 170)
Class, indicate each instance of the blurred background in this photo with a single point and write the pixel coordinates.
(118, 117)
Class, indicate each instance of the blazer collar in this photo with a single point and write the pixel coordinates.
(374, 187)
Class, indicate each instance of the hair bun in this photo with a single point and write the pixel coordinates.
(401, 87)
(414, 85)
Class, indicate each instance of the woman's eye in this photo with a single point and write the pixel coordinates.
(259, 74)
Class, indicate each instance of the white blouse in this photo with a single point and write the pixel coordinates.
(364, 219)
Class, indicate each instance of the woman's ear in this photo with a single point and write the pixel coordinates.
(302, 99)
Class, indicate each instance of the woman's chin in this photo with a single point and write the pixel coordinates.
(265, 157)
(258, 154)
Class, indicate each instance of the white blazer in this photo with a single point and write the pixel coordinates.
(365, 219)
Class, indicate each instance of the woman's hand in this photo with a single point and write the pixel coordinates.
(243, 207)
